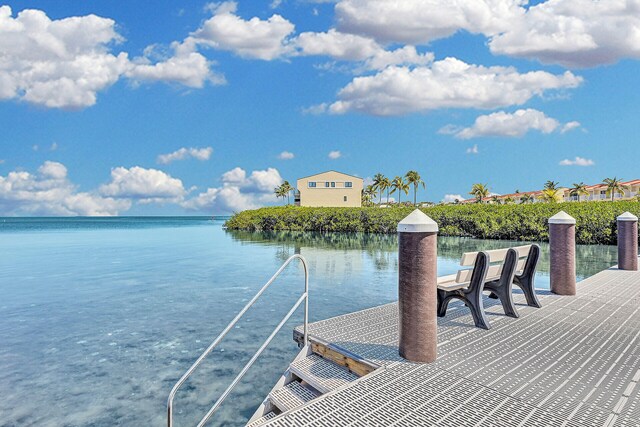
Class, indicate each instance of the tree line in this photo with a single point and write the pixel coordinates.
(400, 184)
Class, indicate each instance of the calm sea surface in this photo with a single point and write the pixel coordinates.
(100, 317)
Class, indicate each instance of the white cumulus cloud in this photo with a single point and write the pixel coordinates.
(573, 33)
(578, 161)
(448, 83)
(515, 124)
(422, 21)
(186, 153)
(186, 66)
(286, 155)
(65, 63)
(570, 126)
(143, 185)
(351, 47)
(238, 191)
(57, 63)
(254, 38)
(334, 154)
(49, 192)
(343, 46)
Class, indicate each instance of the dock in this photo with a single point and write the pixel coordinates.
(573, 362)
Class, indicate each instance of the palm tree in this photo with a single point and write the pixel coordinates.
(413, 177)
(279, 192)
(377, 180)
(287, 189)
(551, 195)
(385, 184)
(398, 184)
(368, 194)
(509, 200)
(578, 190)
(479, 191)
(614, 186)
(495, 200)
(551, 185)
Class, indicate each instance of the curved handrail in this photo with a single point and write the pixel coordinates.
(304, 297)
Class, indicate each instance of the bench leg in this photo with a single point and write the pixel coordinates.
(504, 294)
(443, 303)
(526, 284)
(474, 302)
(506, 299)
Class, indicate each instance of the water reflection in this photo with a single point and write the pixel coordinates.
(382, 249)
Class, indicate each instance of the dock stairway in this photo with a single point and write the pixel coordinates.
(318, 369)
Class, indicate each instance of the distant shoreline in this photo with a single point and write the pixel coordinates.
(595, 221)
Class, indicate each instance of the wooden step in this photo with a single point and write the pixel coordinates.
(266, 417)
(292, 395)
(337, 354)
(322, 374)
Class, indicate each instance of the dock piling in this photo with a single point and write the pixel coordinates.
(562, 242)
(417, 287)
(628, 241)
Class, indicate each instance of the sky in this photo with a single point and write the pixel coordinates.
(196, 108)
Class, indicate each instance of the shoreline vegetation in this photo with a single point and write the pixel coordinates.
(595, 221)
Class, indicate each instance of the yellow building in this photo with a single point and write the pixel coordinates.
(599, 192)
(329, 189)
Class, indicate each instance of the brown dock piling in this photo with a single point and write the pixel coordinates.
(628, 241)
(562, 242)
(417, 287)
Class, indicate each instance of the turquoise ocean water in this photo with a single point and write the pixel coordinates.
(100, 316)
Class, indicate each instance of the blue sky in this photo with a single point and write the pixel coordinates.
(202, 108)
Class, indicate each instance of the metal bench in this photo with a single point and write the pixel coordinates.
(498, 279)
(504, 268)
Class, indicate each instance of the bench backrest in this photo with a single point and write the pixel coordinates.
(496, 255)
(464, 276)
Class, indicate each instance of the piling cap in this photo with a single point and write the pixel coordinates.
(417, 222)
(627, 216)
(562, 218)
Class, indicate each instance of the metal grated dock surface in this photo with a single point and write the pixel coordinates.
(292, 396)
(574, 362)
(322, 374)
(260, 421)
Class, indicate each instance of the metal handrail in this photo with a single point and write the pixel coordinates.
(304, 297)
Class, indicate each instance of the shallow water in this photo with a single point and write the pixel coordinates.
(100, 317)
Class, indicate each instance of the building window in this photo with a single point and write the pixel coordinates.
(345, 198)
(348, 184)
(333, 184)
(326, 184)
(312, 184)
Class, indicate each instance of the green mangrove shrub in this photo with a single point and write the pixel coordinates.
(595, 221)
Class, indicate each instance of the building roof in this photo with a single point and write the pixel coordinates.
(341, 173)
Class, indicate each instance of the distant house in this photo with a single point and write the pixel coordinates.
(329, 189)
(599, 192)
(596, 192)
